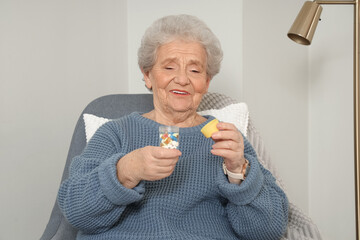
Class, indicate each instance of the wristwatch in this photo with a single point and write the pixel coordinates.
(244, 171)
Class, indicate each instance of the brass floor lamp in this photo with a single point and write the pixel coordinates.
(302, 32)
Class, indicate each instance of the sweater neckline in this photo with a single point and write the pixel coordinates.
(138, 116)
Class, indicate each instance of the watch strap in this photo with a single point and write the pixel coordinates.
(244, 171)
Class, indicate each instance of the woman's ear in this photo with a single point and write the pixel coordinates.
(208, 79)
(147, 79)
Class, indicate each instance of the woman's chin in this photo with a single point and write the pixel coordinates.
(181, 108)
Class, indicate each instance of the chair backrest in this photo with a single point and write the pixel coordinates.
(115, 106)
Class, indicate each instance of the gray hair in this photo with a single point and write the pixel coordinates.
(185, 27)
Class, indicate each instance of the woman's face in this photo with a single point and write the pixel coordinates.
(178, 78)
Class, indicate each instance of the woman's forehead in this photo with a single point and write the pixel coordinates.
(194, 52)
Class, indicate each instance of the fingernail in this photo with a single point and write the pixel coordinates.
(215, 134)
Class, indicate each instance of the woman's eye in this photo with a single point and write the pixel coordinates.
(195, 71)
(169, 68)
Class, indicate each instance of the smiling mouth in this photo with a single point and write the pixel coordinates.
(178, 92)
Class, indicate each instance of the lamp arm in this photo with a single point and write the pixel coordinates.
(335, 2)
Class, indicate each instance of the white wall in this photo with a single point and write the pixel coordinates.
(55, 56)
(275, 88)
(331, 149)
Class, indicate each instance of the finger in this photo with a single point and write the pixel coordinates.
(158, 167)
(159, 173)
(228, 144)
(167, 162)
(227, 154)
(226, 126)
(233, 135)
(165, 169)
(154, 163)
(164, 153)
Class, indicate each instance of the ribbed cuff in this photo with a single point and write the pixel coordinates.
(112, 188)
(248, 190)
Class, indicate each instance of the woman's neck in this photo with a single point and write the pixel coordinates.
(177, 119)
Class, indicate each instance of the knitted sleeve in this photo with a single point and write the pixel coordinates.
(92, 199)
(257, 208)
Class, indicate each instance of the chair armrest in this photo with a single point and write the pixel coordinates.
(300, 226)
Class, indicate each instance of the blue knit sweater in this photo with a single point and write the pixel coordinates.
(195, 202)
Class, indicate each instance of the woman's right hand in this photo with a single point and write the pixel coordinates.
(148, 163)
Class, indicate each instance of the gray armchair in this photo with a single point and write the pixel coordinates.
(114, 106)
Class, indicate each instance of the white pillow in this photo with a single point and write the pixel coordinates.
(237, 114)
(92, 123)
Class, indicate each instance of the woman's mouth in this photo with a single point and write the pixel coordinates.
(179, 92)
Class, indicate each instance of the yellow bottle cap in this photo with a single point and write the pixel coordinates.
(210, 128)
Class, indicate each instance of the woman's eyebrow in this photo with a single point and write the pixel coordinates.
(168, 60)
(196, 62)
(176, 60)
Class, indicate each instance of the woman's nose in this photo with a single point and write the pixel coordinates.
(182, 78)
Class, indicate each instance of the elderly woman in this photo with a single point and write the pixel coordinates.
(125, 186)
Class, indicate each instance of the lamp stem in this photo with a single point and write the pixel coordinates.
(356, 115)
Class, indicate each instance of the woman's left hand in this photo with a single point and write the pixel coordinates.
(229, 144)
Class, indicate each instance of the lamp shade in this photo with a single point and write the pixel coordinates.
(303, 28)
